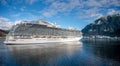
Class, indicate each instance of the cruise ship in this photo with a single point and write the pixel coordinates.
(40, 31)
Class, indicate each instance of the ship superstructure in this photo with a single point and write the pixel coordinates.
(40, 32)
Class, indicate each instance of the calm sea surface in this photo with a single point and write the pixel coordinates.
(83, 53)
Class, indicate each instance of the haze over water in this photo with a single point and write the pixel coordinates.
(83, 53)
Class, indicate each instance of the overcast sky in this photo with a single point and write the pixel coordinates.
(74, 13)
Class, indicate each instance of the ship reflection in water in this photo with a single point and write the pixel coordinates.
(43, 54)
(85, 53)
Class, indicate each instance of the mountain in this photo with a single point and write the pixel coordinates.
(104, 26)
(3, 33)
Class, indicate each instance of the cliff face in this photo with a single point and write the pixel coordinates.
(105, 26)
(3, 33)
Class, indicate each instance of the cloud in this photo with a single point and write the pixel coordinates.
(6, 2)
(102, 3)
(31, 1)
(59, 7)
(92, 3)
(3, 2)
(22, 8)
(5, 24)
(114, 2)
(17, 21)
(49, 13)
(2, 19)
(25, 16)
(113, 11)
(85, 8)
(90, 13)
(96, 16)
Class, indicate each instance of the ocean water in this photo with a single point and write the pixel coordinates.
(82, 53)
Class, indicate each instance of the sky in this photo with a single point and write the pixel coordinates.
(66, 13)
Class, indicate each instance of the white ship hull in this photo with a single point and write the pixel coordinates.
(40, 40)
